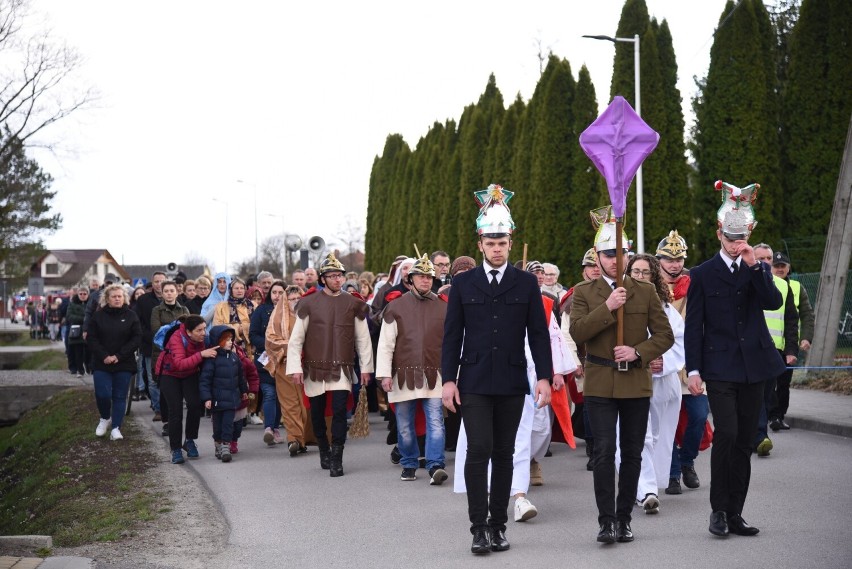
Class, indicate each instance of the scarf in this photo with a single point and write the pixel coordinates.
(234, 304)
(278, 331)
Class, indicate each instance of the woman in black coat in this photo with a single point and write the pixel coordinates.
(113, 337)
(257, 336)
(78, 354)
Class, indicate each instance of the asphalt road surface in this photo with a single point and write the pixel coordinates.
(286, 512)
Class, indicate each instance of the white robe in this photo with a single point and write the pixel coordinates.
(663, 415)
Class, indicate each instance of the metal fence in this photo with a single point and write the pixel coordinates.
(843, 353)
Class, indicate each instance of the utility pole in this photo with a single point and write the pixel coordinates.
(835, 266)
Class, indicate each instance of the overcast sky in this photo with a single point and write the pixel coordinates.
(295, 99)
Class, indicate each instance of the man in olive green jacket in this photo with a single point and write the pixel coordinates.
(617, 397)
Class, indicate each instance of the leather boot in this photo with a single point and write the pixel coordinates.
(336, 461)
(325, 458)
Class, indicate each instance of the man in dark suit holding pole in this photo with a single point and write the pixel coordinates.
(729, 347)
(483, 366)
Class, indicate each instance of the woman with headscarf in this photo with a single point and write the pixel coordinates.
(221, 286)
(236, 312)
(290, 395)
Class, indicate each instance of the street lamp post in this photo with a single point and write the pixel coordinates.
(226, 230)
(284, 252)
(256, 259)
(640, 213)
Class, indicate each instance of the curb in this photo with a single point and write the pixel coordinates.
(819, 426)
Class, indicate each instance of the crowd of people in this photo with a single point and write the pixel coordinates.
(464, 357)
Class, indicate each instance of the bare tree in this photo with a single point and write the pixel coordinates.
(38, 77)
(351, 242)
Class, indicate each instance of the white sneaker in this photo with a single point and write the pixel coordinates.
(115, 435)
(103, 427)
(255, 420)
(651, 504)
(524, 510)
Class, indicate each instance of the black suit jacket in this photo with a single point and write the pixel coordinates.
(726, 337)
(483, 347)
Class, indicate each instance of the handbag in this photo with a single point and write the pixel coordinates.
(76, 331)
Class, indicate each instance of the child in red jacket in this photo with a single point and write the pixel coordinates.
(253, 379)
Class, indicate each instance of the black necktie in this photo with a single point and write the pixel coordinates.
(613, 285)
(494, 282)
(735, 268)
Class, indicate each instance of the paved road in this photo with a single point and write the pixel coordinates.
(287, 512)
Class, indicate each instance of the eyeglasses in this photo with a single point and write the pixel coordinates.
(441, 264)
(640, 273)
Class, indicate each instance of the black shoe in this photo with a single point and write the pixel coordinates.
(549, 452)
(590, 466)
(737, 525)
(336, 461)
(607, 533)
(719, 524)
(775, 425)
(408, 474)
(437, 475)
(481, 541)
(499, 541)
(674, 487)
(325, 459)
(396, 456)
(690, 478)
(784, 426)
(623, 533)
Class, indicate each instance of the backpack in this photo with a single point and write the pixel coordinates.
(162, 336)
(161, 340)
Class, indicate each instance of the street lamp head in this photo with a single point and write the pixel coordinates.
(607, 38)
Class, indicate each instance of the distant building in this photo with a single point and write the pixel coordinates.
(62, 269)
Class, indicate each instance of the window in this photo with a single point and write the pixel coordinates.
(51, 268)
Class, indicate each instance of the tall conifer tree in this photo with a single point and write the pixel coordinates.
(554, 144)
(588, 191)
(817, 109)
(737, 114)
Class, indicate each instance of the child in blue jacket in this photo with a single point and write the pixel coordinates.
(222, 387)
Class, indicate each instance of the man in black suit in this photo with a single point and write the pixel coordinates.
(729, 347)
(483, 366)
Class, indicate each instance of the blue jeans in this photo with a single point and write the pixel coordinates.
(153, 386)
(140, 373)
(763, 419)
(111, 394)
(271, 409)
(697, 409)
(407, 437)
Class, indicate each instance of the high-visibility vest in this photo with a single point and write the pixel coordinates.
(796, 287)
(775, 318)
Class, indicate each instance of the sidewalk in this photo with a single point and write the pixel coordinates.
(819, 411)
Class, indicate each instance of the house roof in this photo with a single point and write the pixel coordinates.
(81, 261)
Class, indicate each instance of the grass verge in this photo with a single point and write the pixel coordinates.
(831, 381)
(20, 338)
(58, 479)
(47, 360)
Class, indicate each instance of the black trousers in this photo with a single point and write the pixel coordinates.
(176, 390)
(491, 423)
(338, 418)
(631, 415)
(736, 410)
(781, 401)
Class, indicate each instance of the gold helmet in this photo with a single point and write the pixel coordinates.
(423, 266)
(330, 264)
(672, 247)
(590, 259)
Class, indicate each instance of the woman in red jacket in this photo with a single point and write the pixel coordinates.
(178, 368)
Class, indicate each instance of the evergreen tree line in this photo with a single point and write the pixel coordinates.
(773, 108)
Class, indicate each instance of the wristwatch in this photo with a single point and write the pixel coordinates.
(638, 355)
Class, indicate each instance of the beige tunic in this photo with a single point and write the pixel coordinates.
(409, 348)
(337, 375)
